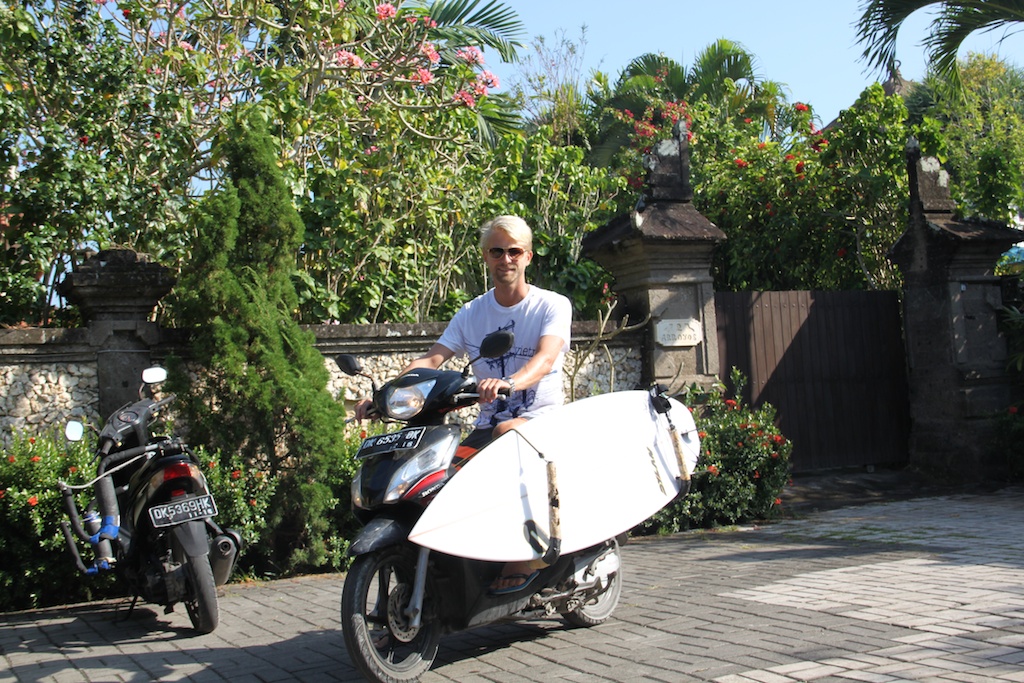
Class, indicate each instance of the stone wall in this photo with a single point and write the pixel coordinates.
(49, 376)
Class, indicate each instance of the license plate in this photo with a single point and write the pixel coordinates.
(184, 510)
(395, 441)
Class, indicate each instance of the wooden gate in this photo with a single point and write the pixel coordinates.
(832, 364)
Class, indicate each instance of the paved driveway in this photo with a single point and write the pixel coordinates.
(930, 589)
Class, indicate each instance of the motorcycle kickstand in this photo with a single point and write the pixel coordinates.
(131, 608)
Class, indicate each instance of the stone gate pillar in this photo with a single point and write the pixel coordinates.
(116, 292)
(956, 356)
(660, 257)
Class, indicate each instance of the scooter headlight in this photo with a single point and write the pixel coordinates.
(436, 457)
(404, 403)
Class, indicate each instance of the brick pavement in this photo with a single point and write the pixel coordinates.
(930, 589)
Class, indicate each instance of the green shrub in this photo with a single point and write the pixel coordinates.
(243, 496)
(743, 466)
(37, 570)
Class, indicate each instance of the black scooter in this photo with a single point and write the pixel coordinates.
(400, 598)
(151, 518)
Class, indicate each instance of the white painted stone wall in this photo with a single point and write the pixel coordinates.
(36, 395)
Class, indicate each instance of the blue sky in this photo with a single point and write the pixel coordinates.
(809, 46)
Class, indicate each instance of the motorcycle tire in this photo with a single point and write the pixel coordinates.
(201, 600)
(598, 610)
(378, 637)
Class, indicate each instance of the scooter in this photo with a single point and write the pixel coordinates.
(400, 598)
(151, 520)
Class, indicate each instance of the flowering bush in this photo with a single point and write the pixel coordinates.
(743, 466)
(36, 570)
(243, 494)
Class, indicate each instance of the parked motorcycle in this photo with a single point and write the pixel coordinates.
(400, 598)
(151, 520)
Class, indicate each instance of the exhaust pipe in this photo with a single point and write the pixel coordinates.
(223, 554)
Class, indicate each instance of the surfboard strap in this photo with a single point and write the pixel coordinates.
(554, 544)
(661, 404)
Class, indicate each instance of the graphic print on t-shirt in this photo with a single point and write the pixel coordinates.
(517, 402)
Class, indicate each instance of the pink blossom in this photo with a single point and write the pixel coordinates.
(346, 58)
(341, 5)
(488, 79)
(471, 55)
(424, 76)
(385, 11)
(430, 52)
(185, 45)
(465, 98)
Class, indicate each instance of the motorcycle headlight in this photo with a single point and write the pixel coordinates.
(404, 403)
(437, 457)
(357, 489)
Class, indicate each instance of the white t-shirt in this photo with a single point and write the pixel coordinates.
(541, 313)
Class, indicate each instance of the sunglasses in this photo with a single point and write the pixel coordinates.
(513, 252)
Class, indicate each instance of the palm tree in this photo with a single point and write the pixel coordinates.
(724, 73)
(881, 20)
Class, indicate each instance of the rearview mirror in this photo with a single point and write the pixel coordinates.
(348, 364)
(496, 344)
(154, 375)
(74, 430)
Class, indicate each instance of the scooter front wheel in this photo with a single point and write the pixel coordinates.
(378, 633)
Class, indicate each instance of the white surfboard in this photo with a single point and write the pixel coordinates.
(614, 464)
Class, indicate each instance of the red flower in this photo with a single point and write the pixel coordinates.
(1012, 410)
(702, 434)
(211, 464)
(33, 501)
(730, 403)
(757, 475)
(35, 458)
(799, 167)
(237, 474)
(10, 458)
(713, 470)
(778, 501)
(778, 438)
(841, 252)
(741, 163)
(252, 502)
(800, 106)
(32, 439)
(790, 157)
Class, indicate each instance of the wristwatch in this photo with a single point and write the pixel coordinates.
(511, 384)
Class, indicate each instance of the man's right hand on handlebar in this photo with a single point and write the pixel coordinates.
(364, 409)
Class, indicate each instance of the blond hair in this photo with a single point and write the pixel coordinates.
(513, 226)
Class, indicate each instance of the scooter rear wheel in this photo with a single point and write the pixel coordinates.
(598, 610)
(201, 599)
(378, 634)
